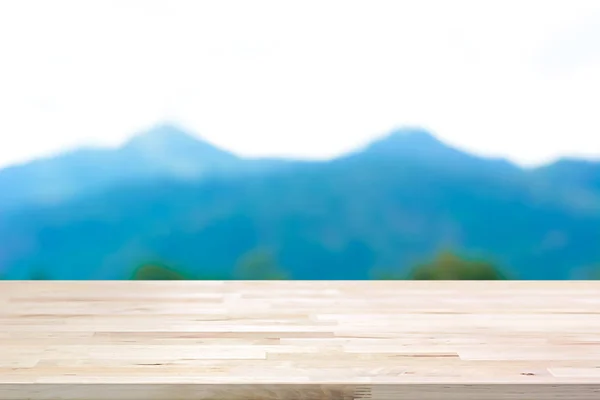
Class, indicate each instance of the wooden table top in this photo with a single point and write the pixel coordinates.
(203, 339)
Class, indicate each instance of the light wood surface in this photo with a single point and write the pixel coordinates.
(299, 340)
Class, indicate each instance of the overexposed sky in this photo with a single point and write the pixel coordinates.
(313, 78)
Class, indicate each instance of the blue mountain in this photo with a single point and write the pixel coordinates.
(165, 151)
(169, 197)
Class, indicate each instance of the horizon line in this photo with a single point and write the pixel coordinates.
(399, 128)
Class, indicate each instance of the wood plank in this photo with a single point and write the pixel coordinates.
(299, 340)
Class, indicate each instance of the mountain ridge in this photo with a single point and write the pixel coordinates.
(165, 132)
(387, 205)
(162, 151)
(170, 151)
(165, 150)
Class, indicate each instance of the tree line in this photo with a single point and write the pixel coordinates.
(262, 265)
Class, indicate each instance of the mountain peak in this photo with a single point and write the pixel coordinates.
(409, 141)
(413, 137)
(169, 147)
(173, 140)
(411, 132)
(164, 134)
(414, 144)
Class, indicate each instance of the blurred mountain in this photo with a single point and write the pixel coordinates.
(386, 206)
(573, 172)
(573, 182)
(169, 150)
(418, 147)
(165, 151)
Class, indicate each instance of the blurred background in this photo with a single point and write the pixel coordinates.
(312, 140)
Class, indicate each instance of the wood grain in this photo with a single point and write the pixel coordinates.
(299, 340)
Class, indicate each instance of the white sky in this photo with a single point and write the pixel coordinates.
(519, 78)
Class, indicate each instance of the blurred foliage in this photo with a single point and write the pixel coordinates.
(40, 275)
(157, 272)
(383, 274)
(450, 266)
(259, 265)
(447, 265)
(592, 273)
